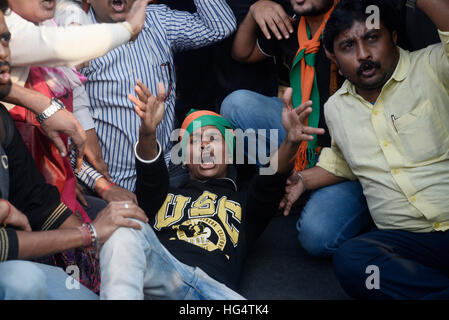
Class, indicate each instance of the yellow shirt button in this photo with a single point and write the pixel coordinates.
(396, 171)
(413, 199)
(385, 144)
(436, 225)
(375, 112)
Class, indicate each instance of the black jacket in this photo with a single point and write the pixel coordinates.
(209, 224)
(26, 188)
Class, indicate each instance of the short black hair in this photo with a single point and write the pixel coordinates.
(3, 5)
(349, 11)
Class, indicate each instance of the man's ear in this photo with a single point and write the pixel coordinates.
(331, 56)
(394, 36)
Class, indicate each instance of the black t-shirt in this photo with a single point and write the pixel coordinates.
(284, 51)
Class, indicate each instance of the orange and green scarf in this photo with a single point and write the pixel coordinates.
(305, 87)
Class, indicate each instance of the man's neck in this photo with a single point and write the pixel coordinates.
(369, 95)
(315, 22)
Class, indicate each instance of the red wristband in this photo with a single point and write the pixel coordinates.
(106, 188)
(9, 211)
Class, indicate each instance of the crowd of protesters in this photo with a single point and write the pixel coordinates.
(125, 127)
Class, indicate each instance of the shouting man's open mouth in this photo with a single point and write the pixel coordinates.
(118, 6)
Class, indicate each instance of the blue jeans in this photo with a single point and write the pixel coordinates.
(94, 206)
(135, 265)
(333, 214)
(246, 109)
(395, 264)
(25, 280)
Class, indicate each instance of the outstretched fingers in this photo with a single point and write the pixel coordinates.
(312, 130)
(287, 98)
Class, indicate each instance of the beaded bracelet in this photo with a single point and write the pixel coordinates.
(87, 237)
(94, 236)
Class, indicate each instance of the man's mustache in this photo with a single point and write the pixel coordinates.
(111, 1)
(366, 65)
(5, 63)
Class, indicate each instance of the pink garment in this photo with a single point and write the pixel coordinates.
(37, 82)
(61, 80)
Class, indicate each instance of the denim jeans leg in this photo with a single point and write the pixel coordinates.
(246, 109)
(94, 206)
(135, 265)
(394, 264)
(61, 286)
(333, 215)
(20, 280)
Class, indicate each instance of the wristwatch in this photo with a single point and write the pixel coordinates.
(55, 105)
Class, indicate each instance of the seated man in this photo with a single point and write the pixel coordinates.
(34, 221)
(390, 129)
(333, 214)
(199, 232)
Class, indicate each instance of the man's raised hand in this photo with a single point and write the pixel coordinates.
(148, 107)
(294, 120)
(271, 16)
(136, 16)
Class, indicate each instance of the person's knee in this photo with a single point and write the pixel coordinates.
(318, 241)
(350, 267)
(125, 237)
(22, 280)
(231, 105)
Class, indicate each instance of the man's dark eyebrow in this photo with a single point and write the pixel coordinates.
(345, 41)
(370, 33)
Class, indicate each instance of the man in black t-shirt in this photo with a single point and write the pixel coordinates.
(332, 214)
(199, 232)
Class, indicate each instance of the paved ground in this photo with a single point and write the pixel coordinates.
(278, 268)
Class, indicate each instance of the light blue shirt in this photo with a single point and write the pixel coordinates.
(150, 59)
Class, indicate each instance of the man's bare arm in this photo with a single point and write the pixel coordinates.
(38, 244)
(115, 215)
(317, 177)
(437, 11)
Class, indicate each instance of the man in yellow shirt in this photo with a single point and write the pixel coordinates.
(389, 125)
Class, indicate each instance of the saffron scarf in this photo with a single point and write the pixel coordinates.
(305, 87)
